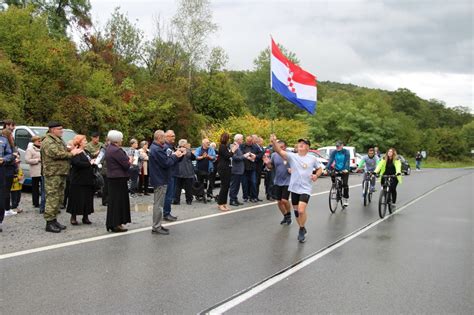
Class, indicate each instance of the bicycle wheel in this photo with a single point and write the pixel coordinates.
(369, 196)
(333, 199)
(382, 203)
(365, 188)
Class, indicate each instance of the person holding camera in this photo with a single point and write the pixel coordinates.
(205, 157)
(185, 175)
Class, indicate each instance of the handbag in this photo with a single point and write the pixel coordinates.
(97, 179)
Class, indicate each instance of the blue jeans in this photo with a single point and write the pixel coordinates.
(249, 185)
(418, 165)
(170, 191)
(235, 181)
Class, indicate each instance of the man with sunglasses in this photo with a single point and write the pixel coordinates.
(341, 158)
(305, 169)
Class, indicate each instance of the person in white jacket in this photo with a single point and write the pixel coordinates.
(33, 158)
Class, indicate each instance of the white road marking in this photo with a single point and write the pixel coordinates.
(102, 237)
(248, 293)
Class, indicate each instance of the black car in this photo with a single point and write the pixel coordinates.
(406, 169)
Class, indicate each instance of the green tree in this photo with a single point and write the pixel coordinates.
(193, 25)
(217, 60)
(126, 37)
(405, 101)
(218, 98)
(163, 57)
(61, 14)
(10, 90)
(468, 134)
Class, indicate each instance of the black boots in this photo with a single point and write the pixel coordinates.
(54, 226)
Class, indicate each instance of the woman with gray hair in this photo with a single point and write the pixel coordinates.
(185, 173)
(118, 165)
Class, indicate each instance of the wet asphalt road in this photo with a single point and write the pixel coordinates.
(419, 261)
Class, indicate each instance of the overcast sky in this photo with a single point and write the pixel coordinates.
(425, 46)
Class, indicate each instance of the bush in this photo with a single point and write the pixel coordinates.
(286, 129)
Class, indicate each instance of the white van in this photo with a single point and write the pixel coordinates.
(352, 152)
(23, 135)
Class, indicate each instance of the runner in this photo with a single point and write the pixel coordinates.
(304, 169)
(280, 181)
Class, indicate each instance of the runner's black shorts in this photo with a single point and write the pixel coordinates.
(281, 192)
(297, 198)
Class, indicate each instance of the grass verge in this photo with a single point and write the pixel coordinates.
(436, 163)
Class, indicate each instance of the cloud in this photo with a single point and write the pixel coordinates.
(386, 44)
(425, 84)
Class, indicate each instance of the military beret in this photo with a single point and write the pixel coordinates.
(54, 124)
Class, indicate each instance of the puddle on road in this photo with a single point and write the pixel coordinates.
(142, 208)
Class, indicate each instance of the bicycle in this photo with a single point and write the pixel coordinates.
(366, 191)
(335, 194)
(385, 199)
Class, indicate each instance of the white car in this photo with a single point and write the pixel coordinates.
(23, 135)
(329, 149)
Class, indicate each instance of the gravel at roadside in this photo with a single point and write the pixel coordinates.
(26, 230)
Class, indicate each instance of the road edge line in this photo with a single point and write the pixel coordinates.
(260, 286)
(139, 230)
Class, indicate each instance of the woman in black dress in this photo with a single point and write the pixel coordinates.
(118, 164)
(224, 170)
(81, 190)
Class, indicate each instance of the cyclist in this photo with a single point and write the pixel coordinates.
(369, 163)
(304, 169)
(341, 157)
(391, 165)
(280, 181)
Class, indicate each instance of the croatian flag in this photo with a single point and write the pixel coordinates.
(292, 82)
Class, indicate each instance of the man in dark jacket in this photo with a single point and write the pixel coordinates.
(418, 158)
(161, 162)
(171, 186)
(249, 181)
(238, 168)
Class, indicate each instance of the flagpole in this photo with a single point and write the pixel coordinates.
(272, 104)
(272, 112)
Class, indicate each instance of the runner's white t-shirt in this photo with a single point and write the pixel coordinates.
(301, 170)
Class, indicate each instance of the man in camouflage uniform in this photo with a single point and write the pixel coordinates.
(55, 158)
(94, 146)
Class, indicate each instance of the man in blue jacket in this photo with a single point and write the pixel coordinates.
(161, 162)
(341, 158)
(205, 157)
(6, 156)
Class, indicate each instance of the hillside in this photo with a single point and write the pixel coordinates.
(101, 86)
